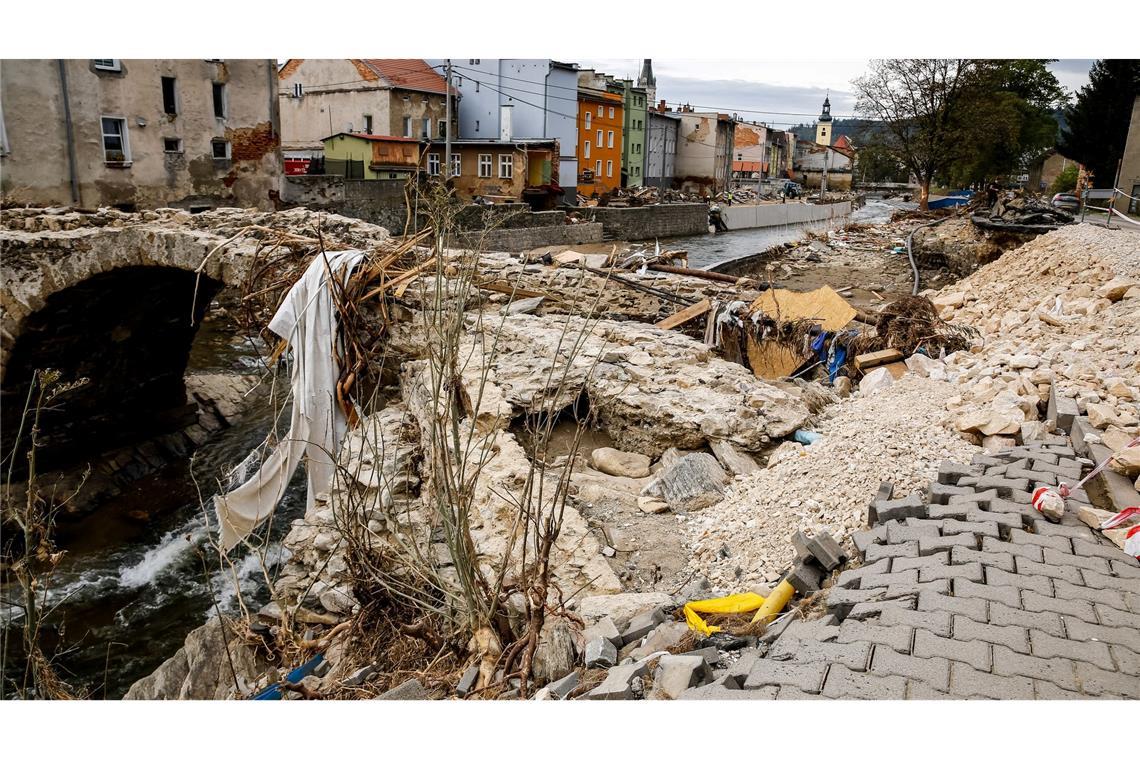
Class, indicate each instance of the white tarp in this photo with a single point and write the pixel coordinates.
(307, 321)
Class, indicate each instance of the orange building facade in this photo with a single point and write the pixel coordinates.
(600, 119)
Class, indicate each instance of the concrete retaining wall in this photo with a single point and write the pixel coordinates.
(648, 222)
(525, 238)
(781, 214)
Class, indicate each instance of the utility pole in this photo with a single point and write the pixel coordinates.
(823, 182)
(447, 129)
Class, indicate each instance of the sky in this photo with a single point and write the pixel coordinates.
(780, 93)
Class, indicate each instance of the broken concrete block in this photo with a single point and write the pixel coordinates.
(642, 625)
(897, 509)
(734, 460)
(805, 578)
(826, 551)
(676, 673)
(411, 689)
(949, 473)
(467, 681)
(600, 653)
(621, 608)
(665, 636)
(561, 688)
(1061, 410)
(618, 683)
(604, 628)
(694, 482)
(360, 676)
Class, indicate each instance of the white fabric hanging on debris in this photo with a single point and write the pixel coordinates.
(307, 321)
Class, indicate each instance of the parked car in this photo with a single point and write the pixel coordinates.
(792, 189)
(1066, 202)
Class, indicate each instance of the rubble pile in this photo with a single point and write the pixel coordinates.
(897, 435)
(1059, 313)
(1018, 212)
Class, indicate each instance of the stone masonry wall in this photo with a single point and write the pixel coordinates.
(648, 222)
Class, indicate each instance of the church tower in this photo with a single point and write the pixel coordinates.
(823, 126)
(649, 82)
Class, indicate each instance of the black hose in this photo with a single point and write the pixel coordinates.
(910, 252)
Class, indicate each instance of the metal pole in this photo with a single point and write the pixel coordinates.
(447, 129)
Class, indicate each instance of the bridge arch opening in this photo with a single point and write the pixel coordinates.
(129, 332)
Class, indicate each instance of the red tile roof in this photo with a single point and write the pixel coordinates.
(407, 74)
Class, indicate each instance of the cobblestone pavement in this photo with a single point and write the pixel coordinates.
(966, 592)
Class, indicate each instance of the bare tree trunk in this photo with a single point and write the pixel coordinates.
(924, 195)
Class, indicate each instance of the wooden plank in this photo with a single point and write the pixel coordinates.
(863, 362)
(897, 369)
(684, 315)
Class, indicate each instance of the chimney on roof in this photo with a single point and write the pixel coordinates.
(661, 106)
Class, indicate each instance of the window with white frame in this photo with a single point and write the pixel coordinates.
(601, 111)
(598, 168)
(443, 127)
(484, 164)
(367, 123)
(588, 115)
(425, 129)
(587, 152)
(610, 139)
(506, 166)
(221, 149)
(107, 64)
(456, 165)
(433, 164)
(609, 168)
(611, 112)
(407, 126)
(116, 146)
(601, 142)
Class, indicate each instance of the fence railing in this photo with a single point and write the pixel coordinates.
(1112, 195)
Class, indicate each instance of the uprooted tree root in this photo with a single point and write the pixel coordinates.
(912, 323)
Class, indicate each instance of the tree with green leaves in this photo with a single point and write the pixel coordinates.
(1097, 122)
(959, 119)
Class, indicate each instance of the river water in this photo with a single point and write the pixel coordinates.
(128, 591)
(707, 251)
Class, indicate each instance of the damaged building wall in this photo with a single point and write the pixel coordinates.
(704, 152)
(142, 133)
(1129, 180)
(661, 148)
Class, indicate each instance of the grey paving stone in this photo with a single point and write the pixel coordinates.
(970, 572)
(1109, 597)
(1050, 690)
(854, 656)
(920, 690)
(1031, 552)
(975, 609)
(882, 580)
(846, 598)
(1023, 472)
(1077, 608)
(819, 629)
(1007, 595)
(981, 498)
(806, 676)
(1094, 680)
(1110, 615)
(1006, 487)
(949, 472)
(842, 683)
(1099, 564)
(933, 671)
(1126, 660)
(719, 692)
(961, 555)
(895, 637)
(1020, 497)
(1064, 572)
(896, 509)
(901, 533)
(1012, 636)
(935, 621)
(976, 653)
(934, 544)
(1094, 652)
(998, 578)
(1094, 579)
(1055, 670)
(1107, 551)
(866, 538)
(1060, 543)
(985, 460)
(878, 552)
(1068, 472)
(955, 511)
(931, 560)
(1050, 622)
(1124, 570)
(896, 590)
(868, 610)
(1080, 531)
(1112, 632)
(956, 527)
(940, 493)
(743, 666)
(851, 578)
(967, 682)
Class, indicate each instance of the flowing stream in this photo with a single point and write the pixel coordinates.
(128, 590)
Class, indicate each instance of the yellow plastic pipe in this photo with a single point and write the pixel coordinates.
(733, 604)
(775, 602)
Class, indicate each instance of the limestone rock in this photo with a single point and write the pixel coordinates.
(876, 380)
(1100, 415)
(785, 451)
(620, 608)
(620, 463)
(734, 460)
(1115, 288)
(694, 482)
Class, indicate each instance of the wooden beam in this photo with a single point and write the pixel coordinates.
(684, 315)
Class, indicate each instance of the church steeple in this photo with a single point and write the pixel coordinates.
(648, 81)
(823, 125)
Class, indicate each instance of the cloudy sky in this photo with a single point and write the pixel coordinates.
(779, 93)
